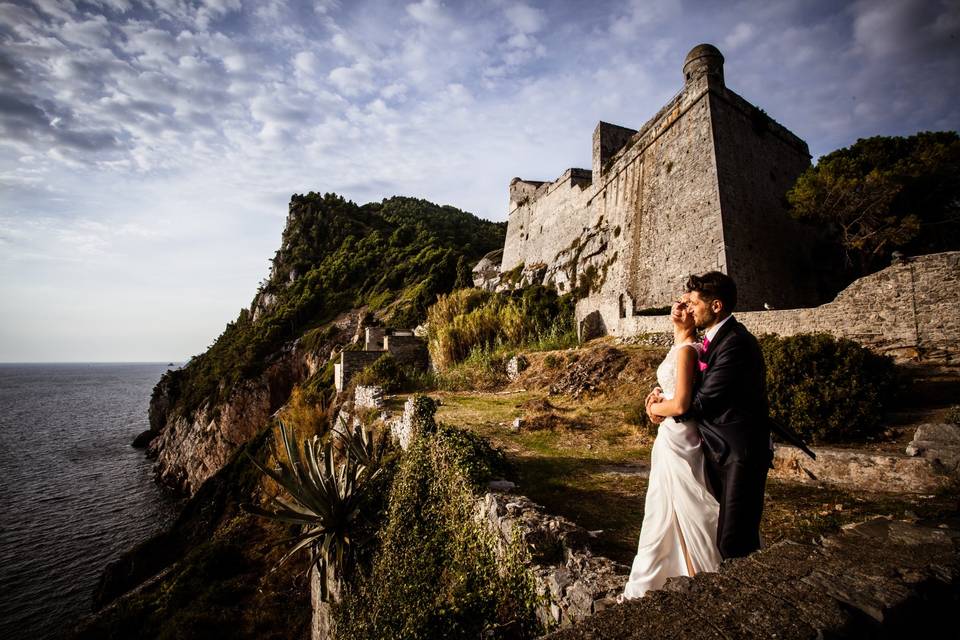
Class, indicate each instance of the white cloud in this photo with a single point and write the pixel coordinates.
(305, 62)
(740, 35)
(525, 19)
(353, 80)
(429, 13)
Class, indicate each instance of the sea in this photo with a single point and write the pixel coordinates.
(74, 494)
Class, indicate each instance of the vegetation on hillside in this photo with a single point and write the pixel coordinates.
(395, 257)
(437, 573)
(471, 320)
(883, 194)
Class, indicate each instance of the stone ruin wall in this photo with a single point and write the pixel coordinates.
(909, 310)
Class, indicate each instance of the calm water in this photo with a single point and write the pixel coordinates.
(73, 493)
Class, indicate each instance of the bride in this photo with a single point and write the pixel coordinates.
(679, 530)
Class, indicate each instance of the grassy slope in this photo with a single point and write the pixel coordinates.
(584, 458)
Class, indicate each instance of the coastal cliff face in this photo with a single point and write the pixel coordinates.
(190, 449)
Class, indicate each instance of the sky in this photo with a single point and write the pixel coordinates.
(148, 150)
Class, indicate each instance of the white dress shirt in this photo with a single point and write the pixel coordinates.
(712, 331)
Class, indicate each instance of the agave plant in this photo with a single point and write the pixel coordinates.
(325, 498)
(367, 447)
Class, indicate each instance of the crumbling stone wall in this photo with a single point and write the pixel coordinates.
(405, 347)
(908, 310)
(408, 350)
(351, 363)
(572, 583)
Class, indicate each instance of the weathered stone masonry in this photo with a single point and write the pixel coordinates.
(700, 186)
(405, 347)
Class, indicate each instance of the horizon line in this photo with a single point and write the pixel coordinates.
(93, 362)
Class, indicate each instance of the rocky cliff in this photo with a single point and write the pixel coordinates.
(190, 449)
(338, 264)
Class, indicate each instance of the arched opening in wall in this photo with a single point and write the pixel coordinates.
(623, 307)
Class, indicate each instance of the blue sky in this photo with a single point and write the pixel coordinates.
(148, 149)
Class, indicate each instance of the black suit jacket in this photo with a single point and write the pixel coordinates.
(730, 401)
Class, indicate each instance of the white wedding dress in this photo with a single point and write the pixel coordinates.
(679, 530)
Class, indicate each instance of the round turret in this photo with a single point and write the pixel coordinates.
(703, 59)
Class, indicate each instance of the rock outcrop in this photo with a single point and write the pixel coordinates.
(190, 449)
(861, 470)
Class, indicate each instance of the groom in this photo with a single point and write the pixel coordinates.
(730, 408)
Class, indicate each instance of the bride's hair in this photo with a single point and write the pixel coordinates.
(714, 285)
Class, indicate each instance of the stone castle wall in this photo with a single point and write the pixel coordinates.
(758, 161)
(699, 187)
(909, 310)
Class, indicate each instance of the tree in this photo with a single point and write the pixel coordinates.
(884, 194)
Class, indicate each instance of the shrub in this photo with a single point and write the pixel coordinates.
(483, 370)
(828, 389)
(437, 573)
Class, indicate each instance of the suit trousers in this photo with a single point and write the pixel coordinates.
(738, 485)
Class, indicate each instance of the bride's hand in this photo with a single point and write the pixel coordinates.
(654, 397)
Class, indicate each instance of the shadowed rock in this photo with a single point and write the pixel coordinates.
(879, 578)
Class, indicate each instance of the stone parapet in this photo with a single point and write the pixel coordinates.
(909, 311)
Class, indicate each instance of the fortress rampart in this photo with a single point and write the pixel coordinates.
(700, 186)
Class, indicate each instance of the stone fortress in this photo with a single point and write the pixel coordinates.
(701, 186)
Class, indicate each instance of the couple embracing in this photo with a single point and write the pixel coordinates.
(709, 462)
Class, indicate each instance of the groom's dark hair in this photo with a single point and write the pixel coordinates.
(714, 285)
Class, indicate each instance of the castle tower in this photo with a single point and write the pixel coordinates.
(704, 60)
(699, 187)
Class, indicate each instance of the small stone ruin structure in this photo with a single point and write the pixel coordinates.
(405, 347)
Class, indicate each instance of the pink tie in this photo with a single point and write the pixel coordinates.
(703, 365)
